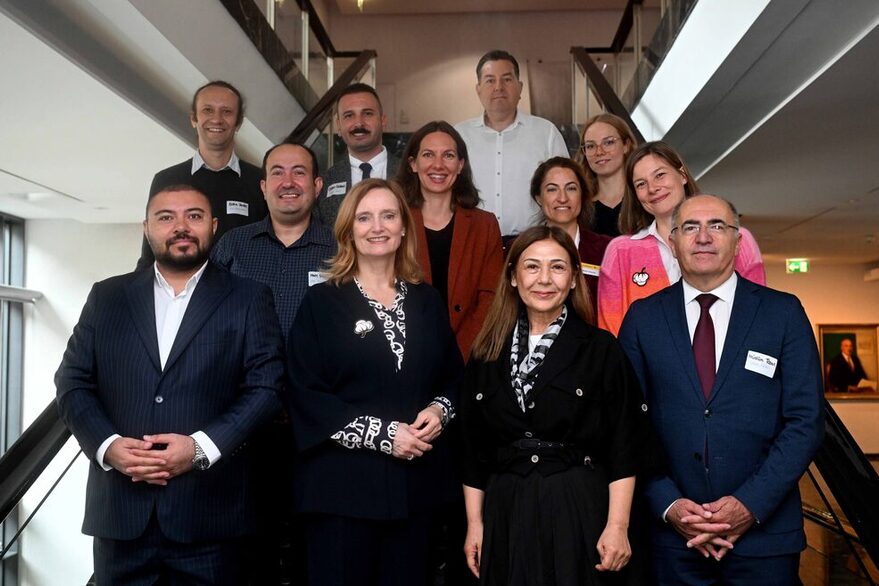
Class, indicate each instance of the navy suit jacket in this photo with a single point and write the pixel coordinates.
(759, 432)
(221, 377)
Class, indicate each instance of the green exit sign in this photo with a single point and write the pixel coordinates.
(797, 265)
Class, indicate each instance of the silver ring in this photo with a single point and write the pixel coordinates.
(411, 456)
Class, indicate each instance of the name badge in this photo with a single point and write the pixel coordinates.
(238, 208)
(761, 363)
(314, 277)
(590, 270)
(337, 189)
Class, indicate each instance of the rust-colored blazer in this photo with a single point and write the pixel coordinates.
(475, 263)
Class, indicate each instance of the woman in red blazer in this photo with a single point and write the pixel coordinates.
(459, 246)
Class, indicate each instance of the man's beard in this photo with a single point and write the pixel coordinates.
(183, 262)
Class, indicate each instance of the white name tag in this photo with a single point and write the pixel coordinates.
(337, 189)
(761, 363)
(314, 277)
(590, 270)
(240, 208)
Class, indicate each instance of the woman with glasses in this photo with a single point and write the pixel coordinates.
(559, 186)
(641, 263)
(604, 145)
(459, 245)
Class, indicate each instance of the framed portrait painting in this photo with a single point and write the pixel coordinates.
(849, 359)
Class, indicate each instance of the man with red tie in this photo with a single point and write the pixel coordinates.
(732, 379)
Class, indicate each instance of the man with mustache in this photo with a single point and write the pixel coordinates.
(506, 145)
(232, 185)
(167, 374)
(361, 122)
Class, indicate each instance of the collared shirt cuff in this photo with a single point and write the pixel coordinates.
(102, 449)
(667, 509)
(208, 447)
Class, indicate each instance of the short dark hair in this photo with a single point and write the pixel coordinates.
(179, 187)
(464, 192)
(359, 88)
(496, 55)
(224, 85)
(586, 205)
(315, 171)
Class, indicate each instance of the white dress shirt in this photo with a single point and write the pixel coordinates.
(669, 262)
(503, 163)
(379, 167)
(719, 311)
(198, 163)
(170, 308)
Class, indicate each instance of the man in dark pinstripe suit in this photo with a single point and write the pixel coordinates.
(166, 375)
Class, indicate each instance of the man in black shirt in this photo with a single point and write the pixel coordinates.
(232, 185)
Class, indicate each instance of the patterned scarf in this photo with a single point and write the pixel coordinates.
(523, 372)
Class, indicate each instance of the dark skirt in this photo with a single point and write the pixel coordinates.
(543, 530)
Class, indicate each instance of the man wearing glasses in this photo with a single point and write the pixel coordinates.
(732, 379)
(506, 145)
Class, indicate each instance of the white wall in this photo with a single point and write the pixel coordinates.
(428, 66)
(838, 295)
(62, 259)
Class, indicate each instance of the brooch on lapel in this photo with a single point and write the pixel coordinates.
(363, 327)
(640, 278)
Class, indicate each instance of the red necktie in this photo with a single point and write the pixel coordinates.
(703, 344)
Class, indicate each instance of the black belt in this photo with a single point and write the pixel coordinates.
(535, 444)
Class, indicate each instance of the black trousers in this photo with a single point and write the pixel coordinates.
(343, 551)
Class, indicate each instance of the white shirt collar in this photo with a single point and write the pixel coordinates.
(198, 163)
(190, 284)
(519, 119)
(648, 231)
(726, 291)
(379, 159)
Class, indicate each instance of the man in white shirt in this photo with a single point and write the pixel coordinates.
(168, 372)
(506, 145)
(732, 380)
(361, 122)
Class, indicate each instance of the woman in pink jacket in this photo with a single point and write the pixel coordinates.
(641, 262)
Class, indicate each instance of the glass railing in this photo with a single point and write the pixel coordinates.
(627, 65)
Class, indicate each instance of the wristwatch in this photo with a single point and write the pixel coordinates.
(199, 460)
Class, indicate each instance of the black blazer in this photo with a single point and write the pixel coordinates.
(221, 377)
(586, 397)
(336, 376)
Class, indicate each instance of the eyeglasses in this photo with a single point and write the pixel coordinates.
(714, 228)
(607, 144)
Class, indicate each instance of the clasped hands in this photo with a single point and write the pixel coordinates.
(139, 460)
(414, 439)
(713, 528)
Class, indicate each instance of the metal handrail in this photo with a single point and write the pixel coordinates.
(603, 90)
(26, 459)
(320, 114)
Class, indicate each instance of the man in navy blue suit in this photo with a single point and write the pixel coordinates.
(167, 373)
(732, 378)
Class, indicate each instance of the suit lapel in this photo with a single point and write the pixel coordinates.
(142, 302)
(673, 306)
(212, 288)
(744, 311)
(563, 352)
(460, 237)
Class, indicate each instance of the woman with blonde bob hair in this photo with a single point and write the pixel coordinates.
(553, 429)
(374, 370)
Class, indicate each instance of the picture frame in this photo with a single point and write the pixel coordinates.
(852, 374)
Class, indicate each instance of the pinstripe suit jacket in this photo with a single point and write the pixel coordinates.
(327, 207)
(221, 377)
